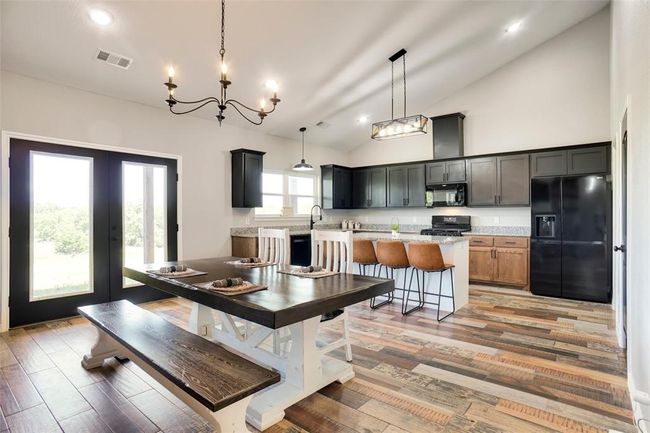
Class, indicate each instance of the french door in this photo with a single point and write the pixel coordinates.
(77, 216)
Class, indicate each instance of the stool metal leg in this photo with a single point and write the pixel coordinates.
(373, 300)
(405, 299)
(453, 300)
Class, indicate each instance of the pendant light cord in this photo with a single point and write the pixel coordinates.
(404, 75)
(392, 91)
(303, 145)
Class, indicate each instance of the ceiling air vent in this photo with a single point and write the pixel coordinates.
(323, 125)
(116, 60)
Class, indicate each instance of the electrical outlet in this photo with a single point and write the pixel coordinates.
(642, 397)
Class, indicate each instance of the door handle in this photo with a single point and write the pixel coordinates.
(619, 248)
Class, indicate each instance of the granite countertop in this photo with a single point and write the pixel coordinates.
(377, 229)
(408, 237)
(520, 231)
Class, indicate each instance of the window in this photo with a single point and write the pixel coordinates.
(287, 194)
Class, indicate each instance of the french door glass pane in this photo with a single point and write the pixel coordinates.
(61, 215)
(144, 207)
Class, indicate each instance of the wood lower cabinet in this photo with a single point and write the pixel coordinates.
(499, 260)
(511, 266)
(481, 266)
(244, 246)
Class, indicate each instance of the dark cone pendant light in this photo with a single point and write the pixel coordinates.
(302, 165)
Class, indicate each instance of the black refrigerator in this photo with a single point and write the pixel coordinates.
(570, 253)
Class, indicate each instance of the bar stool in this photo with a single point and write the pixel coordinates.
(391, 255)
(364, 255)
(426, 257)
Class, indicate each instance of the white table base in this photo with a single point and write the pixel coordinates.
(303, 366)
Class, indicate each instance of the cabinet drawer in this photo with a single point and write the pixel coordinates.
(481, 241)
(511, 242)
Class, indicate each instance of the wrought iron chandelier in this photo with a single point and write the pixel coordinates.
(402, 126)
(223, 101)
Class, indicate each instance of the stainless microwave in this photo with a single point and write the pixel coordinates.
(447, 195)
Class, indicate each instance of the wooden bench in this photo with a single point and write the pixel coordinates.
(216, 383)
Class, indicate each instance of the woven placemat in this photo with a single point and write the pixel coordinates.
(246, 287)
(183, 274)
(249, 265)
(298, 273)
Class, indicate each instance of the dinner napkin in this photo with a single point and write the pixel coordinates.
(250, 260)
(310, 269)
(228, 282)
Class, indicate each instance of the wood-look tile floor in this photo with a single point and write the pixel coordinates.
(508, 362)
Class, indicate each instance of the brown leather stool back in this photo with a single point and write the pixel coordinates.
(426, 256)
(392, 254)
(364, 252)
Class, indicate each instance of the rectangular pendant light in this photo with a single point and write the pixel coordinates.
(402, 127)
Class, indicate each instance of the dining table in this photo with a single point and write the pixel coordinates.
(247, 322)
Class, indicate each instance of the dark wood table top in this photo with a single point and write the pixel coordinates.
(289, 299)
(208, 372)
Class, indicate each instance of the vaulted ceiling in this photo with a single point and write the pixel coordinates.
(329, 57)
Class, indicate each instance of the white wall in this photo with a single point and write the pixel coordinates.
(630, 88)
(556, 94)
(46, 109)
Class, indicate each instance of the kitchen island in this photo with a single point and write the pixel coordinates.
(455, 250)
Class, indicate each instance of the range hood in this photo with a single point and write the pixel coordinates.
(447, 132)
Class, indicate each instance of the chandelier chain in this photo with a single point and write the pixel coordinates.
(222, 51)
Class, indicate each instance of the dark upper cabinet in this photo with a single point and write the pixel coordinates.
(397, 187)
(548, 163)
(482, 181)
(369, 188)
(360, 190)
(499, 181)
(377, 187)
(445, 171)
(435, 173)
(406, 186)
(456, 171)
(513, 180)
(247, 168)
(588, 160)
(336, 187)
(447, 132)
(415, 181)
(584, 160)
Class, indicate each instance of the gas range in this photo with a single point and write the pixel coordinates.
(448, 226)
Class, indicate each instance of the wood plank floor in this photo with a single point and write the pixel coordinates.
(508, 362)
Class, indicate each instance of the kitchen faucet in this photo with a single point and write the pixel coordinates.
(311, 216)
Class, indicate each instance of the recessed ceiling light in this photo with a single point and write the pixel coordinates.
(363, 119)
(101, 17)
(514, 27)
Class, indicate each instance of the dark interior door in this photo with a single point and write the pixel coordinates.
(59, 230)
(142, 219)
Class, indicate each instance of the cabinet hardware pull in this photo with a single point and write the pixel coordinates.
(495, 199)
